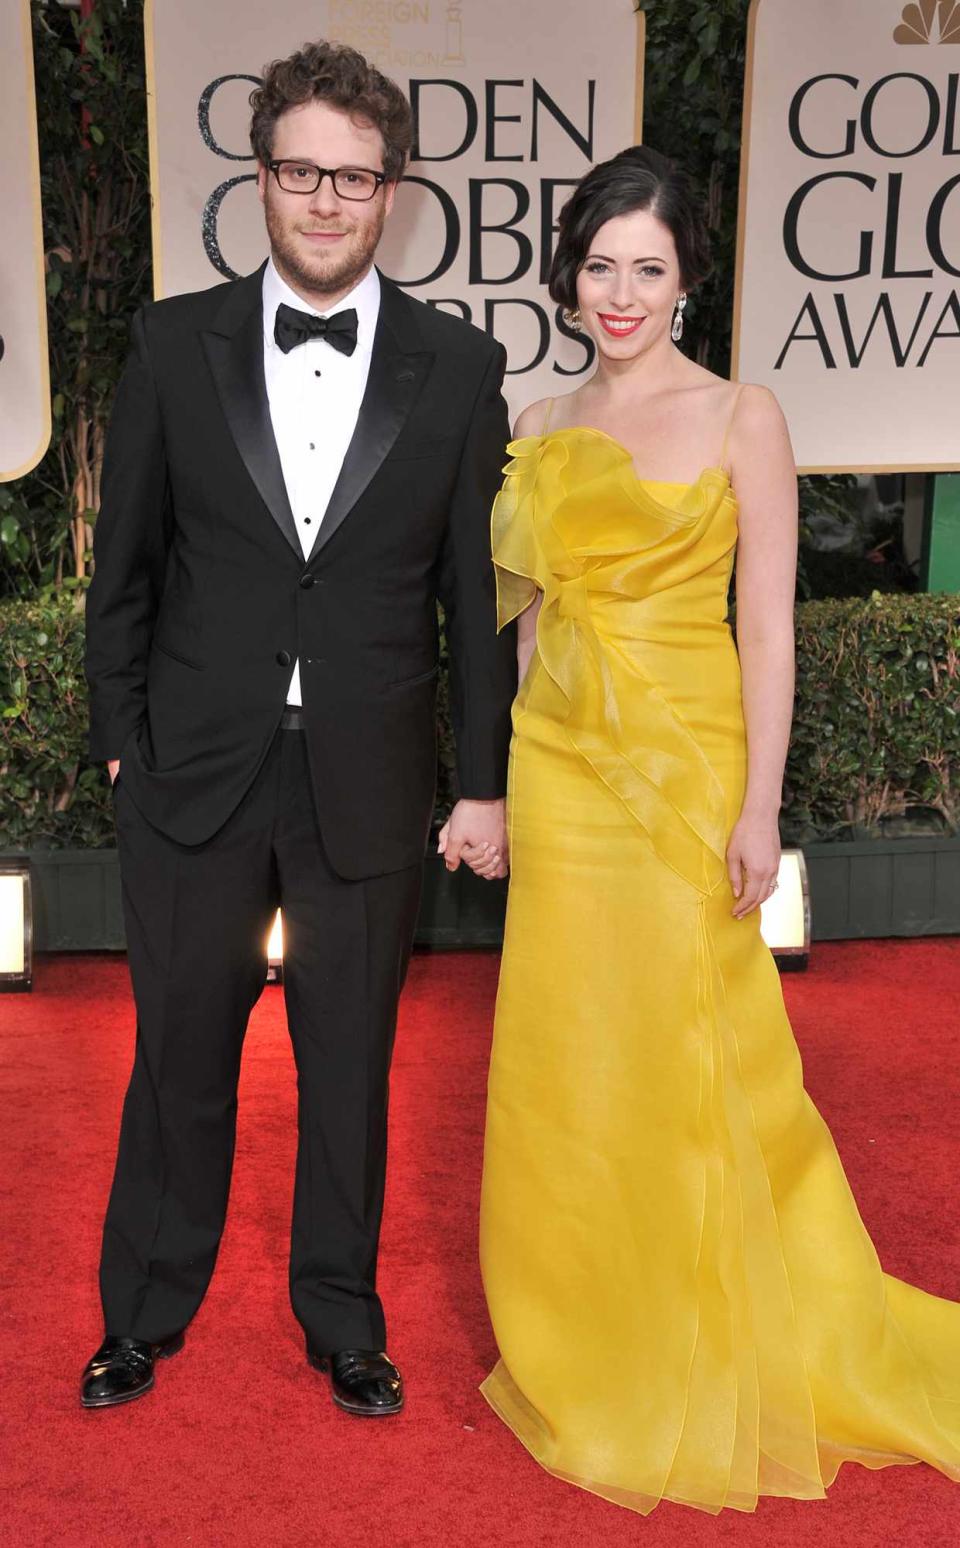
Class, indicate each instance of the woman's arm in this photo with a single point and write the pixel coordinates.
(765, 479)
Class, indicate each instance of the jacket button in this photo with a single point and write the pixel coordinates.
(307, 581)
(284, 658)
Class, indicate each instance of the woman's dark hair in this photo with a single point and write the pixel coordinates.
(334, 73)
(637, 179)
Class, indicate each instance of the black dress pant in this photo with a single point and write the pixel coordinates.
(197, 921)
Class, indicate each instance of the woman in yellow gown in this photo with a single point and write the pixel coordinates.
(686, 1302)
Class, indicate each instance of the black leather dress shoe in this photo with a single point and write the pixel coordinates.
(362, 1381)
(122, 1369)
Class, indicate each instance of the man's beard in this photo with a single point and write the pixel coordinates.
(334, 276)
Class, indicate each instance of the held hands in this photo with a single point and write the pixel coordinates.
(753, 859)
(476, 833)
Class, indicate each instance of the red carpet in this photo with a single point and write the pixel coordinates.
(239, 1444)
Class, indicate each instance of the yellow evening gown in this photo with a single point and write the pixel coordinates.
(686, 1303)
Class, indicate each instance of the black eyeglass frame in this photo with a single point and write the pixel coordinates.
(332, 173)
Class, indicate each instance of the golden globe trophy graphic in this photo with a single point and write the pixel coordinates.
(399, 35)
(454, 49)
(929, 21)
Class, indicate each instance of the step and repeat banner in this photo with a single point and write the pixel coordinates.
(24, 370)
(849, 239)
(512, 104)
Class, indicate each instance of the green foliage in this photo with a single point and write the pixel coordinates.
(692, 110)
(850, 546)
(96, 219)
(17, 554)
(50, 796)
(876, 732)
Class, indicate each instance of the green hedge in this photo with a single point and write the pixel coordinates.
(49, 795)
(876, 735)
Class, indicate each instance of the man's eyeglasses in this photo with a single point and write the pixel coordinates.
(303, 177)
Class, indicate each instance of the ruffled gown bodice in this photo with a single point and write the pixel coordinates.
(635, 578)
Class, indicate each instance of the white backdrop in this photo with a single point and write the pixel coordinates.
(24, 369)
(847, 287)
(513, 103)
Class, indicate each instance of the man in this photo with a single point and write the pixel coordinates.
(299, 464)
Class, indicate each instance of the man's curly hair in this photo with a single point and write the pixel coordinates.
(334, 73)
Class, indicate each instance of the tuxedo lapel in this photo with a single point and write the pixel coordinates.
(398, 368)
(234, 350)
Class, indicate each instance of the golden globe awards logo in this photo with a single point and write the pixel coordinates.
(900, 120)
(930, 21)
(500, 229)
(504, 128)
(847, 296)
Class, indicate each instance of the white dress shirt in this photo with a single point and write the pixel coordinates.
(315, 394)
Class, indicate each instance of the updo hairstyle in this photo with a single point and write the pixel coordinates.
(636, 179)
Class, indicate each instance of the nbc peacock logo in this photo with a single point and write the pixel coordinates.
(929, 21)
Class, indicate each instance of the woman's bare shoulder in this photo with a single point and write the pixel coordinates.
(758, 409)
(759, 437)
(531, 420)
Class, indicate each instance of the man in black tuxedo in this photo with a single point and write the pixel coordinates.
(299, 464)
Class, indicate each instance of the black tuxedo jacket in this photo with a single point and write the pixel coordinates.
(201, 599)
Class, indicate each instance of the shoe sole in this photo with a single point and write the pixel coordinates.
(165, 1352)
(366, 1413)
(356, 1411)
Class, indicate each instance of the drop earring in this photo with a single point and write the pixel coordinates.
(676, 332)
(572, 318)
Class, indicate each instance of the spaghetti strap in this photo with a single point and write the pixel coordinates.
(546, 417)
(726, 434)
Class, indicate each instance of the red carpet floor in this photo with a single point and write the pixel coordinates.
(238, 1444)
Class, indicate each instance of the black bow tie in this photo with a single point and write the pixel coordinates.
(292, 328)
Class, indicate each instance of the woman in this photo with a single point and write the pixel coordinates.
(686, 1302)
